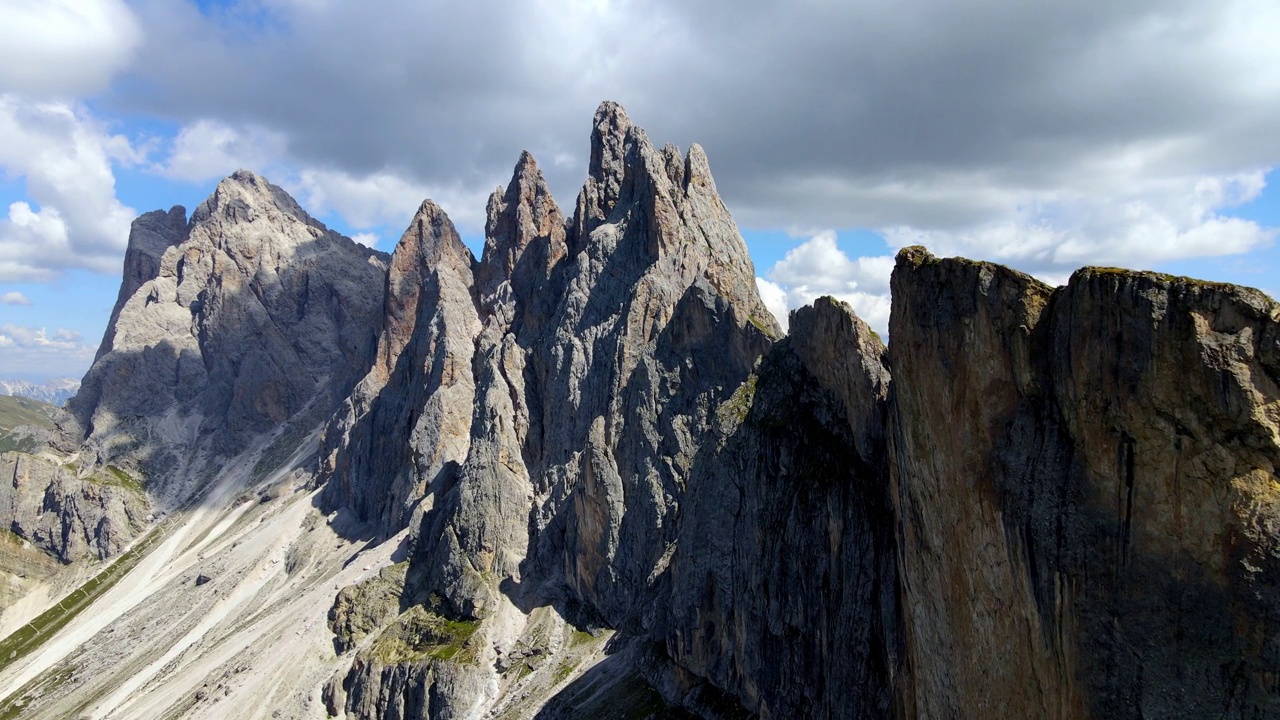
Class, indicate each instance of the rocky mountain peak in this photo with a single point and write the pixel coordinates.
(246, 196)
(615, 148)
(430, 245)
(228, 327)
(524, 215)
(432, 237)
(150, 236)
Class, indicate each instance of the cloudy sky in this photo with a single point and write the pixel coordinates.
(1045, 135)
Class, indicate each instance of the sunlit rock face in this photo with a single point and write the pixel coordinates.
(227, 327)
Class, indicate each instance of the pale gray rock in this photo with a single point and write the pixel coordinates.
(606, 350)
(605, 344)
(234, 325)
(150, 236)
(68, 513)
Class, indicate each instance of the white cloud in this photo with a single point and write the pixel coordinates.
(384, 198)
(775, 299)
(14, 298)
(64, 48)
(65, 157)
(31, 352)
(370, 239)
(209, 149)
(1128, 222)
(818, 267)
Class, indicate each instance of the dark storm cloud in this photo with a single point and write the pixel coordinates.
(933, 115)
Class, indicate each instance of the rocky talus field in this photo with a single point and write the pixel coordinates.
(586, 475)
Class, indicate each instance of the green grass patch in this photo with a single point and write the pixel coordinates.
(114, 476)
(9, 537)
(581, 637)
(739, 404)
(419, 634)
(34, 634)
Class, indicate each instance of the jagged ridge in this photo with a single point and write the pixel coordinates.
(1038, 502)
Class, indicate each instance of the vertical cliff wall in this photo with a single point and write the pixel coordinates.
(1037, 502)
(1085, 483)
(783, 587)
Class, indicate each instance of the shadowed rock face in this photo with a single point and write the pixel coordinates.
(783, 588)
(227, 328)
(597, 350)
(605, 343)
(1085, 480)
(403, 433)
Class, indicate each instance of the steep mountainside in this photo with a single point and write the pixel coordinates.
(602, 348)
(585, 476)
(226, 328)
(783, 589)
(1092, 525)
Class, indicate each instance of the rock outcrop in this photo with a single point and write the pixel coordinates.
(1085, 480)
(604, 344)
(404, 432)
(783, 588)
(1071, 512)
(226, 328)
(70, 512)
(597, 349)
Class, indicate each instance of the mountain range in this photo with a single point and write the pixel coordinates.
(586, 475)
(54, 392)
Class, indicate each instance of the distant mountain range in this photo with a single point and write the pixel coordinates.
(54, 391)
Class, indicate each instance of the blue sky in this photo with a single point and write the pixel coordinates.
(1046, 137)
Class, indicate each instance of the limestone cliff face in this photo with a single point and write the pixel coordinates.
(593, 406)
(1063, 504)
(1085, 481)
(588, 357)
(603, 345)
(660, 323)
(783, 588)
(227, 328)
(404, 432)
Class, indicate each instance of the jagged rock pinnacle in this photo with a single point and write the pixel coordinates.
(520, 218)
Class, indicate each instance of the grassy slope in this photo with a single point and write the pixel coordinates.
(15, 411)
